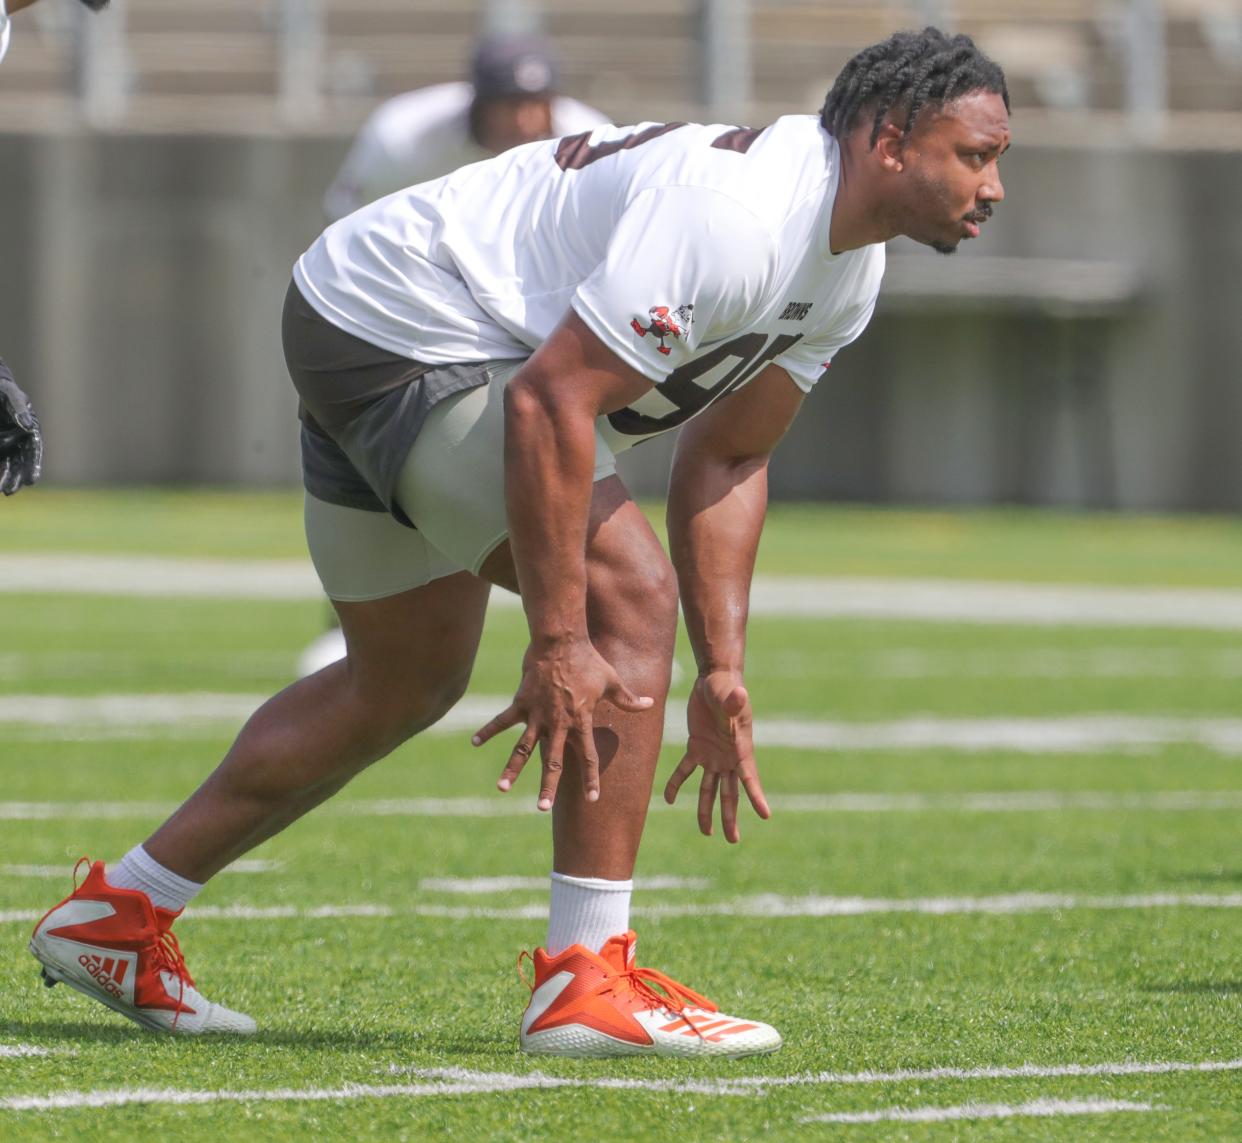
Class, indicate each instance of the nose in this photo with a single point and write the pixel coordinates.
(993, 189)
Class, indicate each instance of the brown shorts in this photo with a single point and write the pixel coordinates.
(361, 407)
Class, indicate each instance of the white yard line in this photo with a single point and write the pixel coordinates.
(958, 601)
(772, 905)
(1036, 1108)
(21, 1051)
(1004, 802)
(146, 577)
(764, 905)
(245, 865)
(514, 806)
(72, 717)
(1050, 662)
(740, 1084)
(87, 811)
(477, 886)
(459, 1081)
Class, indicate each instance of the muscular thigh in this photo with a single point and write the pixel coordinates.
(453, 482)
(629, 577)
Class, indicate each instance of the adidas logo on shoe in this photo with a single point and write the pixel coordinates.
(109, 972)
(114, 946)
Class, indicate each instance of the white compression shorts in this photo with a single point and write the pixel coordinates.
(452, 487)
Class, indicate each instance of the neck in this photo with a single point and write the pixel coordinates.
(857, 220)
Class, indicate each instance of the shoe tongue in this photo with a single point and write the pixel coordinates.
(619, 951)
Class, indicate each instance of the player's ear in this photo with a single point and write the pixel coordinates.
(890, 148)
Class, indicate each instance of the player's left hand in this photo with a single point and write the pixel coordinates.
(720, 720)
(21, 441)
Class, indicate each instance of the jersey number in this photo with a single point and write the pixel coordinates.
(682, 386)
(751, 350)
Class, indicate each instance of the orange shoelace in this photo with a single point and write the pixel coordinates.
(651, 985)
(168, 958)
(662, 991)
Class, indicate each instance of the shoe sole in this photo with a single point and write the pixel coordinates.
(56, 973)
(608, 1048)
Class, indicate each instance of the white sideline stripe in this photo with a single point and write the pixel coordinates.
(1040, 1108)
(764, 905)
(1005, 801)
(965, 601)
(65, 717)
(480, 885)
(459, 1081)
(17, 1051)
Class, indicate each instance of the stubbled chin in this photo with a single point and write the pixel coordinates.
(944, 247)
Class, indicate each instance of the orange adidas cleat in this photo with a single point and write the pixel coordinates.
(584, 1004)
(114, 946)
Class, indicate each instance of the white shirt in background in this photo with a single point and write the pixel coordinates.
(4, 30)
(422, 135)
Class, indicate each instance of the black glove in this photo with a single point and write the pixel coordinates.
(21, 442)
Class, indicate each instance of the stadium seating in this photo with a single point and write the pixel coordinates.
(190, 65)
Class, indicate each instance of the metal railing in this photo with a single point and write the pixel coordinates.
(724, 65)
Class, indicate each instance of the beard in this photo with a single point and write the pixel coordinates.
(935, 194)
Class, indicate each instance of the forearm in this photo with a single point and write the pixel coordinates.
(716, 511)
(549, 466)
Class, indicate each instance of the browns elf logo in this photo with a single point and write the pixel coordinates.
(665, 323)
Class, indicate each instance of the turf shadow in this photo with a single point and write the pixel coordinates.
(75, 1031)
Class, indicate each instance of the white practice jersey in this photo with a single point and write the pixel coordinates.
(697, 254)
(4, 30)
(422, 135)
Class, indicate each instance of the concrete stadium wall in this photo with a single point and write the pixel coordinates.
(142, 279)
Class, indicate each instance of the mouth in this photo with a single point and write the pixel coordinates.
(973, 222)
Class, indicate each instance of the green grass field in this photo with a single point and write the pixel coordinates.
(1057, 924)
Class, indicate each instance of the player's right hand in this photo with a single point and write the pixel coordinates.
(21, 441)
(562, 683)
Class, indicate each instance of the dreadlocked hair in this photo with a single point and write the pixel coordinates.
(906, 73)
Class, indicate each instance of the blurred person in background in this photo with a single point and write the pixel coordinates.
(511, 99)
(471, 353)
(21, 439)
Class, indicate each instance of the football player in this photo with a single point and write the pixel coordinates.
(470, 354)
(511, 98)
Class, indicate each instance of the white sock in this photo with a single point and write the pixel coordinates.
(139, 870)
(586, 911)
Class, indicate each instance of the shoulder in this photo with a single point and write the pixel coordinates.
(422, 111)
(569, 116)
(779, 173)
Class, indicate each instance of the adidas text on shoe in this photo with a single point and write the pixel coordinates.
(588, 1005)
(114, 946)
